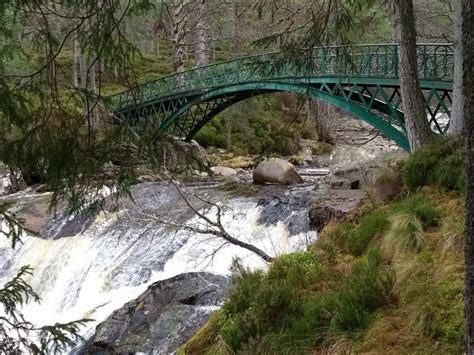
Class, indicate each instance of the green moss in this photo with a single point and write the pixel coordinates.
(235, 189)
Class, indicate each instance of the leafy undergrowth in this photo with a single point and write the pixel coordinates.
(387, 279)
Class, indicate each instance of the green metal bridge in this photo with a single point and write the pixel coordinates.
(361, 80)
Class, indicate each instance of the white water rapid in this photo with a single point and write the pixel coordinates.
(119, 252)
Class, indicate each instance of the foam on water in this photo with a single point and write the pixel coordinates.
(114, 260)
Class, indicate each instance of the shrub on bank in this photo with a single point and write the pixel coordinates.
(371, 226)
(388, 184)
(298, 304)
(438, 164)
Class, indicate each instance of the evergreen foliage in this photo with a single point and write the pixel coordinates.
(18, 335)
(48, 127)
(271, 124)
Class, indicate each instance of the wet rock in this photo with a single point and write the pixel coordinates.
(288, 209)
(297, 160)
(4, 184)
(161, 319)
(201, 173)
(319, 216)
(344, 184)
(223, 171)
(180, 156)
(336, 205)
(42, 188)
(34, 210)
(276, 171)
(358, 173)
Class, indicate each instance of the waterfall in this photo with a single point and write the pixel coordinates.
(119, 252)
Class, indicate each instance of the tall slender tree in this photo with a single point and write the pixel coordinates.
(467, 12)
(202, 34)
(418, 129)
(456, 123)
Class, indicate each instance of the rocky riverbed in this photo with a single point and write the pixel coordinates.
(143, 268)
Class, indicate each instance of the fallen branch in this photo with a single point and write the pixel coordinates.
(213, 227)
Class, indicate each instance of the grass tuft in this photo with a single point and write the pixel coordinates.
(454, 239)
(371, 226)
(405, 234)
(419, 207)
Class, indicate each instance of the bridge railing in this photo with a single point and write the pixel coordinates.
(435, 62)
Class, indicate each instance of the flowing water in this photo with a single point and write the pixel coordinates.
(113, 256)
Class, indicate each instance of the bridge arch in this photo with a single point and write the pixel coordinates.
(240, 92)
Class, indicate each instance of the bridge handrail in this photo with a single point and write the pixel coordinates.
(435, 62)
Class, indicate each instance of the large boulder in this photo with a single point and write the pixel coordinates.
(180, 156)
(162, 318)
(276, 171)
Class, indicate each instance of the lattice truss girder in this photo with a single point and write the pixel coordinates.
(386, 103)
(186, 125)
(383, 101)
(148, 118)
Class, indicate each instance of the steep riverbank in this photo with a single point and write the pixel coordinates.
(386, 278)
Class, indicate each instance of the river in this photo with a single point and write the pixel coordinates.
(121, 250)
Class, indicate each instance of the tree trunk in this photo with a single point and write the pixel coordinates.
(92, 108)
(82, 69)
(229, 123)
(320, 120)
(178, 35)
(75, 63)
(468, 114)
(202, 53)
(416, 122)
(456, 122)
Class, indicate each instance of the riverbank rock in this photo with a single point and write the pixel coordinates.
(364, 172)
(276, 171)
(223, 171)
(34, 210)
(162, 318)
(344, 184)
(336, 205)
(180, 156)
